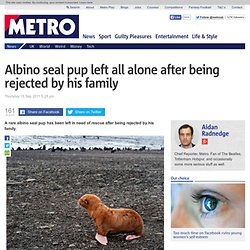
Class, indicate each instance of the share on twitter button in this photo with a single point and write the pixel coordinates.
(85, 111)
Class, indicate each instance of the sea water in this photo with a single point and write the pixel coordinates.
(67, 141)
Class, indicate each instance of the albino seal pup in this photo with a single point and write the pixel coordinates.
(110, 220)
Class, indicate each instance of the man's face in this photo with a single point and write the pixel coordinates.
(185, 137)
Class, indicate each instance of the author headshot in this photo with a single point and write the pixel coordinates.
(186, 133)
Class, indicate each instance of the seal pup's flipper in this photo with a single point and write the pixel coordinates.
(132, 236)
(102, 239)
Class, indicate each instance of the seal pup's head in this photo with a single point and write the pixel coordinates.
(89, 200)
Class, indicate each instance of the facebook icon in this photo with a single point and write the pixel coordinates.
(175, 17)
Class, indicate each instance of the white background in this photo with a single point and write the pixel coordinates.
(151, 98)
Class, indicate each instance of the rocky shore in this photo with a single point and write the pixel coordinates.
(43, 187)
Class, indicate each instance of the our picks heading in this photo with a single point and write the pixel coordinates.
(91, 76)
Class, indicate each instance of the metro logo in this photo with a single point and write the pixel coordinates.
(41, 26)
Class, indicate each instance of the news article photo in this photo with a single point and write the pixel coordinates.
(63, 192)
(208, 211)
(208, 205)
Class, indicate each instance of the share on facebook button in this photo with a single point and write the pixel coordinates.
(40, 111)
(85, 111)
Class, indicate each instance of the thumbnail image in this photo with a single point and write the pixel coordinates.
(208, 205)
(186, 134)
(59, 187)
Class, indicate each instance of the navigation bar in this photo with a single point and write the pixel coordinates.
(152, 46)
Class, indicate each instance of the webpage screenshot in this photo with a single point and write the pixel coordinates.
(124, 124)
